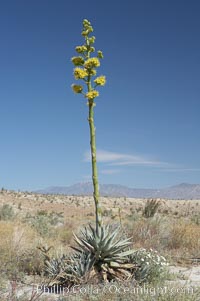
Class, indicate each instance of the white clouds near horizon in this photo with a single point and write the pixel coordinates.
(122, 159)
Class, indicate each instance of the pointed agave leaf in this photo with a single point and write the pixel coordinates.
(76, 249)
(116, 259)
(83, 243)
(116, 249)
(114, 264)
(127, 253)
(77, 239)
(92, 230)
(124, 243)
(121, 248)
(106, 232)
(87, 245)
(108, 241)
(121, 242)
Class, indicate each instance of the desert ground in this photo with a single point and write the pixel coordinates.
(29, 221)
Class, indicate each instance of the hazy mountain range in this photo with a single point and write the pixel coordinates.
(181, 191)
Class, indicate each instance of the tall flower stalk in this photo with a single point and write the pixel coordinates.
(85, 70)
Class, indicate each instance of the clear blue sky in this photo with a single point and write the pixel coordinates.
(147, 115)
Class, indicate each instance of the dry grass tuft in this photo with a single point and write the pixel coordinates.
(184, 234)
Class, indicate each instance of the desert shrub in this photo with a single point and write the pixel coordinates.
(184, 234)
(18, 250)
(107, 212)
(149, 233)
(31, 262)
(41, 225)
(150, 265)
(195, 218)
(43, 221)
(150, 208)
(134, 215)
(63, 233)
(6, 212)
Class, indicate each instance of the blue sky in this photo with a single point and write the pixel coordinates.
(147, 115)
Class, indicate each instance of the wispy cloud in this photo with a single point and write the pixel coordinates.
(109, 171)
(182, 169)
(121, 159)
(104, 156)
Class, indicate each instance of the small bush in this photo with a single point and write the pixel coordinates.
(150, 265)
(6, 212)
(43, 221)
(64, 234)
(31, 262)
(196, 219)
(149, 233)
(18, 254)
(184, 235)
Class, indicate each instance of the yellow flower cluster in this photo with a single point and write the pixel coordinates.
(86, 32)
(86, 22)
(77, 88)
(92, 49)
(92, 94)
(100, 54)
(92, 72)
(85, 67)
(77, 60)
(101, 80)
(81, 49)
(92, 63)
(80, 73)
(87, 28)
(91, 40)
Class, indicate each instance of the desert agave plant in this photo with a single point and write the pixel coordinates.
(107, 250)
(97, 257)
(101, 252)
(69, 270)
(81, 266)
(56, 266)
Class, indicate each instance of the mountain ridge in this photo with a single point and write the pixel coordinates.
(180, 191)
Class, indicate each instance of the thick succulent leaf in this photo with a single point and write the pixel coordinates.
(108, 240)
(114, 250)
(77, 239)
(93, 231)
(116, 258)
(127, 253)
(88, 245)
(119, 246)
(114, 264)
(121, 242)
(76, 249)
(84, 244)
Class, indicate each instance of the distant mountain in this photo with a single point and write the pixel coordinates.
(181, 191)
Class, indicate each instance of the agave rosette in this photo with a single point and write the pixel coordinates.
(106, 246)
